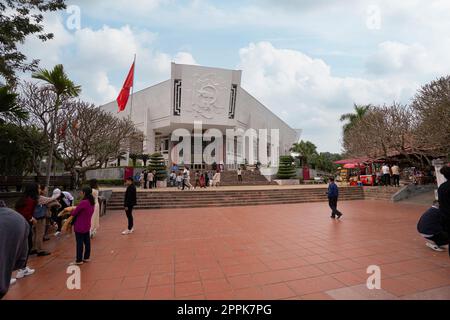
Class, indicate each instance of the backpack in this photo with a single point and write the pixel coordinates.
(40, 211)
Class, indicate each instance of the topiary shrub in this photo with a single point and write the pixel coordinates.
(286, 169)
(158, 164)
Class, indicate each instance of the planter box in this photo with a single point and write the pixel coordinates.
(287, 182)
(269, 173)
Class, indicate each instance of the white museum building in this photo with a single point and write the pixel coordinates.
(214, 99)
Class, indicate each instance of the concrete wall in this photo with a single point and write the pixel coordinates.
(250, 113)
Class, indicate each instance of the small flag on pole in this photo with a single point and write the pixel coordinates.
(124, 94)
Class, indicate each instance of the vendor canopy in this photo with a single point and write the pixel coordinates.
(353, 161)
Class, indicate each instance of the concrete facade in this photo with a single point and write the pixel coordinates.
(208, 95)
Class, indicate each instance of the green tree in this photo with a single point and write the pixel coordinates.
(157, 163)
(22, 148)
(286, 169)
(307, 150)
(325, 161)
(352, 118)
(144, 157)
(9, 109)
(64, 88)
(134, 157)
(18, 20)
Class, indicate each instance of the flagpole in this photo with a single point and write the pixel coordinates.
(131, 107)
(132, 88)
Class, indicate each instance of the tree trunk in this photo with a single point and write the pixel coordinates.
(52, 144)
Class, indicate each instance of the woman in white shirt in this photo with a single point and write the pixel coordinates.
(95, 220)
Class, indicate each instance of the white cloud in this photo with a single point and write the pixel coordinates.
(303, 91)
(99, 59)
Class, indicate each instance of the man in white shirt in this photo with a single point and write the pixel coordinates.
(150, 178)
(395, 175)
(386, 175)
(239, 174)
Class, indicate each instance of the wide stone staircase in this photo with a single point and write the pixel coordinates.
(249, 178)
(224, 198)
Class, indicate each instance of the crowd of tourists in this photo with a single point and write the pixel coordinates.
(184, 179)
(25, 229)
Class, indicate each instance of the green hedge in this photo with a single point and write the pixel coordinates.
(111, 182)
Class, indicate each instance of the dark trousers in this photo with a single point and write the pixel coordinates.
(332, 202)
(129, 213)
(30, 238)
(441, 239)
(145, 184)
(239, 178)
(154, 183)
(386, 179)
(396, 180)
(83, 242)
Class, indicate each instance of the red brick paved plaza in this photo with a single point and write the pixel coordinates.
(292, 251)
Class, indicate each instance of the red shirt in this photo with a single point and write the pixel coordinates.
(28, 210)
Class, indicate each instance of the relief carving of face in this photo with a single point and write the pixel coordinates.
(205, 96)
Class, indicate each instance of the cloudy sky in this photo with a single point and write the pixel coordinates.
(308, 61)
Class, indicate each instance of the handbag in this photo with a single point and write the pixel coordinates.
(40, 211)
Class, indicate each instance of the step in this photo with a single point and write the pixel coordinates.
(217, 204)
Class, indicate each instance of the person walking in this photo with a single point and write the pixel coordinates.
(146, 179)
(179, 180)
(444, 197)
(14, 231)
(25, 206)
(154, 178)
(187, 178)
(202, 180)
(141, 179)
(395, 175)
(216, 178)
(40, 214)
(239, 174)
(197, 179)
(82, 226)
(95, 222)
(150, 178)
(333, 194)
(172, 178)
(210, 178)
(386, 174)
(129, 202)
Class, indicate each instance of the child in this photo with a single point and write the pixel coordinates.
(179, 180)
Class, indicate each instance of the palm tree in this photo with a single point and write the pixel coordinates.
(353, 118)
(134, 157)
(64, 88)
(144, 157)
(307, 151)
(119, 157)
